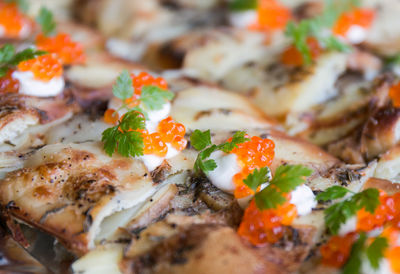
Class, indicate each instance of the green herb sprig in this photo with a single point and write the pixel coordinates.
(338, 213)
(287, 178)
(315, 27)
(9, 58)
(152, 97)
(201, 141)
(374, 252)
(124, 137)
(45, 19)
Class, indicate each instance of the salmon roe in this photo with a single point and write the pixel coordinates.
(69, 51)
(12, 20)
(141, 80)
(111, 116)
(8, 83)
(44, 67)
(367, 221)
(173, 133)
(292, 57)
(256, 153)
(393, 255)
(337, 250)
(394, 94)
(271, 15)
(357, 17)
(260, 227)
(153, 144)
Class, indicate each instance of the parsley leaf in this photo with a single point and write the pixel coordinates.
(333, 193)
(353, 264)
(153, 98)
(200, 140)
(123, 137)
(375, 251)
(9, 58)
(285, 180)
(46, 21)
(123, 88)
(237, 138)
(22, 4)
(315, 27)
(242, 5)
(339, 213)
(257, 178)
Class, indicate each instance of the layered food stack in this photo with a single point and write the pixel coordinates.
(177, 136)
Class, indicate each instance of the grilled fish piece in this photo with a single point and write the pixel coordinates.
(68, 190)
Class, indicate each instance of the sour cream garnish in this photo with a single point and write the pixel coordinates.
(243, 19)
(304, 200)
(356, 34)
(28, 85)
(227, 167)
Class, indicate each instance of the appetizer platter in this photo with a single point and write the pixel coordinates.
(200, 136)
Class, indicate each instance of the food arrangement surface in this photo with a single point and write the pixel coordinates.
(200, 136)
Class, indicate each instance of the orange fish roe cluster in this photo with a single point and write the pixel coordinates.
(384, 213)
(12, 20)
(173, 133)
(153, 144)
(167, 132)
(141, 80)
(44, 67)
(292, 57)
(8, 83)
(357, 17)
(260, 227)
(111, 116)
(337, 250)
(393, 255)
(394, 94)
(70, 52)
(271, 15)
(256, 153)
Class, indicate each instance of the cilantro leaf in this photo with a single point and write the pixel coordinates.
(242, 5)
(257, 178)
(285, 180)
(200, 139)
(353, 264)
(109, 138)
(288, 177)
(268, 198)
(6, 53)
(123, 88)
(237, 138)
(375, 251)
(123, 137)
(202, 165)
(315, 27)
(367, 199)
(333, 193)
(46, 21)
(24, 55)
(22, 4)
(9, 58)
(153, 98)
(339, 213)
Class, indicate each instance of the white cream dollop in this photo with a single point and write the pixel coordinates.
(349, 226)
(356, 34)
(242, 19)
(28, 85)
(304, 200)
(227, 167)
